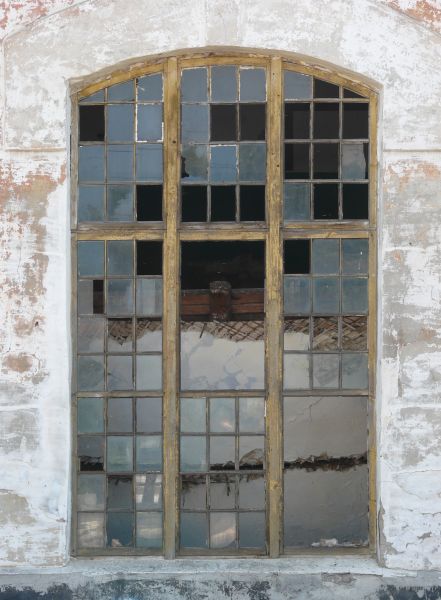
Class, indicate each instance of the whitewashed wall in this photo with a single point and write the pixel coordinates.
(50, 44)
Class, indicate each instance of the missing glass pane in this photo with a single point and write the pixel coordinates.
(325, 161)
(252, 121)
(325, 201)
(297, 117)
(296, 256)
(355, 201)
(91, 123)
(194, 203)
(326, 120)
(355, 121)
(252, 202)
(223, 203)
(149, 202)
(149, 258)
(324, 89)
(223, 123)
(297, 165)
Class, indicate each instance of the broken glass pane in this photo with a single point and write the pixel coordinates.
(297, 164)
(326, 161)
(223, 203)
(91, 452)
(148, 492)
(325, 333)
(326, 201)
(326, 121)
(149, 297)
(120, 335)
(297, 118)
(194, 162)
(193, 203)
(223, 123)
(252, 120)
(91, 123)
(222, 453)
(252, 202)
(148, 335)
(354, 161)
(296, 334)
(355, 120)
(355, 201)
(354, 333)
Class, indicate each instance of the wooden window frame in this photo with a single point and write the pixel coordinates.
(273, 232)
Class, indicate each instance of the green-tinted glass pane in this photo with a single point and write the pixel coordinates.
(90, 415)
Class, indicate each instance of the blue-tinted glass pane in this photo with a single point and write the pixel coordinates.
(150, 87)
(297, 295)
(149, 122)
(326, 295)
(91, 203)
(90, 258)
(120, 203)
(120, 162)
(325, 257)
(223, 163)
(252, 530)
(120, 257)
(149, 372)
(354, 295)
(355, 257)
(148, 453)
(252, 162)
(149, 530)
(223, 84)
(297, 202)
(90, 373)
(193, 454)
(149, 162)
(194, 85)
(194, 530)
(121, 91)
(119, 373)
(119, 122)
(93, 98)
(195, 162)
(194, 123)
(149, 297)
(91, 163)
(252, 85)
(297, 86)
(120, 297)
(90, 415)
(119, 453)
(355, 371)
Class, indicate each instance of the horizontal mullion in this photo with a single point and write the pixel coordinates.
(121, 394)
(120, 233)
(222, 393)
(205, 234)
(316, 230)
(324, 392)
(311, 140)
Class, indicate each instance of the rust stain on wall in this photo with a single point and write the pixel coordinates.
(23, 12)
(426, 11)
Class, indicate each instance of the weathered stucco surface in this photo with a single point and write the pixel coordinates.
(49, 45)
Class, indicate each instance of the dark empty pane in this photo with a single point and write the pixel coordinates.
(120, 202)
(326, 201)
(252, 203)
(297, 161)
(354, 333)
(350, 94)
(90, 203)
(252, 121)
(150, 87)
(193, 492)
(149, 202)
(355, 201)
(325, 161)
(325, 333)
(296, 257)
(355, 121)
(194, 530)
(223, 203)
(149, 415)
(194, 203)
(91, 452)
(223, 84)
(297, 121)
(119, 335)
(149, 258)
(119, 529)
(98, 296)
(194, 86)
(119, 493)
(120, 415)
(323, 89)
(121, 91)
(223, 123)
(91, 123)
(326, 120)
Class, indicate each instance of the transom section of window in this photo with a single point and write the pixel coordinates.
(224, 310)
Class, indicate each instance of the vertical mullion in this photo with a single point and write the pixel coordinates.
(170, 305)
(273, 309)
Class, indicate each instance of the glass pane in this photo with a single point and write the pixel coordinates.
(223, 123)
(91, 452)
(252, 162)
(354, 161)
(326, 295)
(354, 333)
(325, 333)
(193, 414)
(90, 495)
(150, 87)
(251, 452)
(194, 530)
(295, 371)
(326, 505)
(119, 528)
(194, 162)
(296, 336)
(325, 257)
(120, 415)
(121, 91)
(119, 122)
(85, 297)
(325, 370)
(252, 121)
(194, 125)
(149, 122)
(119, 493)
(223, 163)
(297, 121)
(296, 295)
(222, 530)
(193, 454)
(119, 373)
(149, 297)
(90, 335)
(90, 258)
(193, 492)
(149, 372)
(222, 453)
(252, 530)
(252, 85)
(223, 84)
(326, 161)
(119, 453)
(119, 296)
(148, 453)
(91, 163)
(296, 202)
(120, 335)
(297, 86)
(119, 162)
(148, 335)
(90, 415)
(90, 203)
(252, 415)
(354, 295)
(120, 203)
(355, 257)
(194, 85)
(222, 414)
(90, 373)
(148, 491)
(120, 258)
(149, 414)
(149, 530)
(222, 491)
(251, 491)
(93, 98)
(354, 371)
(90, 530)
(149, 162)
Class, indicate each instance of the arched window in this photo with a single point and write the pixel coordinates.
(224, 252)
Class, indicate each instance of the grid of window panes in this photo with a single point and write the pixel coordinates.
(223, 148)
(120, 156)
(119, 395)
(326, 148)
(222, 473)
(325, 382)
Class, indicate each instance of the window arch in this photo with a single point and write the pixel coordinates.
(224, 244)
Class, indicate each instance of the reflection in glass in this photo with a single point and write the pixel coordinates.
(194, 530)
(119, 529)
(295, 371)
(193, 454)
(193, 492)
(251, 452)
(252, 415)
(148, 491)
(252, 530)
(119, 297)
(119, 162)
(119, 257)
(90, 492)
(90, 415)
(119, 453)
(149, 297)
(90, 530)
(222, 530)
(354, 161)
(222, 414)
(149, 415)
(149, 530)
(222, 491)
(120, 203)
(251, 491)
(193, 414)
(148, 453)
(222, 453)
